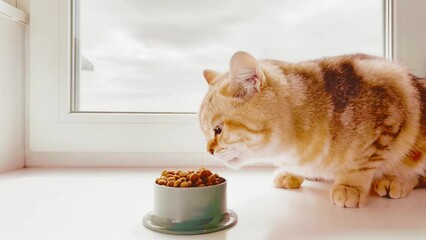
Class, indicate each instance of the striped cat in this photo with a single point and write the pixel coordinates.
(358, 120)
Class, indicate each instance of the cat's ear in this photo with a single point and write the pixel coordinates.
(246, 76)
(210, 76)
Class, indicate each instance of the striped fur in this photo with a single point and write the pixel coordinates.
(356, 119)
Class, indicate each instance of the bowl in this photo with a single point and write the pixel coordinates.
(190, 210)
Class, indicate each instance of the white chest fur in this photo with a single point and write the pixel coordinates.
(290, 161)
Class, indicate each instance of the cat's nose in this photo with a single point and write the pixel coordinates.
(210, 147)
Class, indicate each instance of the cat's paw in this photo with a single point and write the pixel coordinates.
(285, 180)
(394, 188)
(347, 196)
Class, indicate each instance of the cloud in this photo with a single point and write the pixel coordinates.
(142, 49)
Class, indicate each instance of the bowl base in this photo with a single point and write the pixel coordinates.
(192, 227)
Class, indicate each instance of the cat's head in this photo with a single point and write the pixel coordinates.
(234, 115)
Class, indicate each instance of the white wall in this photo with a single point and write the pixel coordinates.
(11, 2)
(11, 95)
(410, 34)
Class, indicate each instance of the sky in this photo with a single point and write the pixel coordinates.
(149, 55)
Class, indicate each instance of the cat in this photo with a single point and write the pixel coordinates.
(358, 120)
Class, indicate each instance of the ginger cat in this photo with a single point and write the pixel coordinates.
(358, 120)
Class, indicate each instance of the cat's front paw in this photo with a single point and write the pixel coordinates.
(285, 180)
(393, 187)
(348, 196)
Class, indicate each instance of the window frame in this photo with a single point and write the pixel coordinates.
(55, 131)
(59, 136)
(69, 83)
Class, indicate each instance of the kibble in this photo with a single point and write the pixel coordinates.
(200, 178)
(205, 173)
(193, 177)
(211, 178)
(177, 183)
(170, 183)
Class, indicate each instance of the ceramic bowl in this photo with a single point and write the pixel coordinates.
(190, 210)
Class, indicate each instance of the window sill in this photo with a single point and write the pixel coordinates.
(109, 203)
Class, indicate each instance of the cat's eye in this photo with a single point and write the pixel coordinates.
(218, 129)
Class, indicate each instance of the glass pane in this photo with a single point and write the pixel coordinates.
(148, 55)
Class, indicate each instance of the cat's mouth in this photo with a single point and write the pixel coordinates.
(227, 155)
(229, 158)
(234, 163)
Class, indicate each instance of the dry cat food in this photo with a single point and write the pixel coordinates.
(201, 178)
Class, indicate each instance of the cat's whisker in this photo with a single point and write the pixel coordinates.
(214, 160)
(205, 160)
(209, 164)
(200, 163)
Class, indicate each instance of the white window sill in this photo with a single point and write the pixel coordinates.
(110, 203)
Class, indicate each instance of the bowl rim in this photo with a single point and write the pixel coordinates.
(190, 188)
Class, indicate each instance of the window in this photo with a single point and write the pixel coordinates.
(148, 56)
(128, 82)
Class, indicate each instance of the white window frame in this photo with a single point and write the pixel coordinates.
(56, 136)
